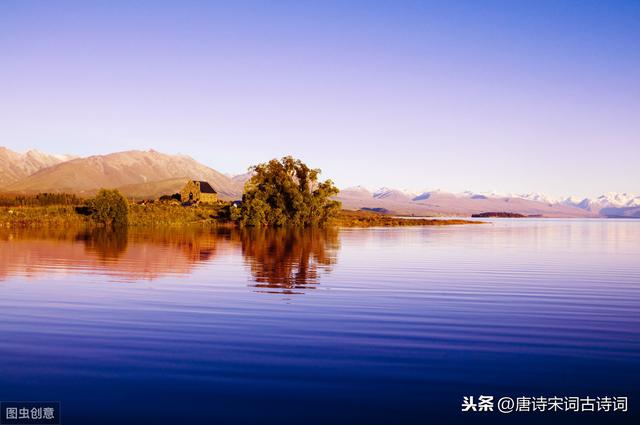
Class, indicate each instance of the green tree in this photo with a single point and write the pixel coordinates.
(287, 192)
(228, 211)
(110, 208)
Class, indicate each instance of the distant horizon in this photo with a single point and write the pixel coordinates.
(415, 191)
(515, 97)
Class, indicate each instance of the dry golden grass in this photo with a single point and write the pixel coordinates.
(36, 216)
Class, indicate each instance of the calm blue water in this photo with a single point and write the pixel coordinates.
(329, 327)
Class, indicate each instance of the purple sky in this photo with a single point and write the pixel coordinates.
(480, 95)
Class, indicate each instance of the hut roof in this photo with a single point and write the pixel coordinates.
(205, 187)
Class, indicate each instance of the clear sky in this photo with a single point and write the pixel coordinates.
(512, 96)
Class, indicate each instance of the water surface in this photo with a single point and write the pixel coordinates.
(388, 325)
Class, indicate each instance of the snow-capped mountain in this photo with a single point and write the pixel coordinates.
(538, 197)
(357, 191)
(616, 199)
(438, 202)
(15, 166)
(611, 204)
(469, 202)
(610, 199)
(393, 194)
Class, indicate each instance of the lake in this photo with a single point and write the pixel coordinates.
(380, 325)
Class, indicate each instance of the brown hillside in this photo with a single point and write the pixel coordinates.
(140, 173)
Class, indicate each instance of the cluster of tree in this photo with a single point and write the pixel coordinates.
(109, 208)
(41, 199)
(229, 212)
(287, 192)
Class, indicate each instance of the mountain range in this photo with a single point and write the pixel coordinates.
(149, 174)
(438, 202)
(135, 173)
(16, 166)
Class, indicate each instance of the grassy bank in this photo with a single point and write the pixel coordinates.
(156, 214)
(172, 214)
(41, 216)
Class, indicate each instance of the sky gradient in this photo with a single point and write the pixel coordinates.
(510, 96)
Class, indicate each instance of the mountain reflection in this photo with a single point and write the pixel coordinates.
(282, 260)
(279, 260)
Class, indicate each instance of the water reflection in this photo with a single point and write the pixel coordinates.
(283, 260)
(411, 318)
(278, 260)
(107, 244)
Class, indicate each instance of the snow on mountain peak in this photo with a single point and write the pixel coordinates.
(618, 199)
(357, 189)
(611, 199)
(390, 193)
(538, 197)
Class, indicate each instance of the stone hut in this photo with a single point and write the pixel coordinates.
(198, 191)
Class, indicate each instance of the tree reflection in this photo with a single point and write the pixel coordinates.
(278, 260)
(107, 243)
(283, 260)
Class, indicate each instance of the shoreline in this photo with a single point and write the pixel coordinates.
(170, 215)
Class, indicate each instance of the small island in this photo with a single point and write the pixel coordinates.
(503, 215)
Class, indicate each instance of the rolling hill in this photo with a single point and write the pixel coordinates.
(139, 173)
